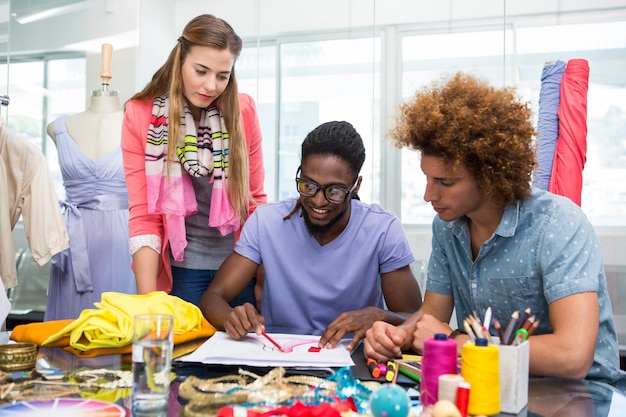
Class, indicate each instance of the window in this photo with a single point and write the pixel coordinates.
(24, 114)
(257, 76)
(429, 57)
(40, 90)
(317, 81)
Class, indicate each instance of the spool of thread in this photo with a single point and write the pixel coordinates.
(480, 368)
(438, 358)
(462, 397)
(448, 384)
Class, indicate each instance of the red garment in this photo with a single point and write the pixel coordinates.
(297, 410)
(571, 147)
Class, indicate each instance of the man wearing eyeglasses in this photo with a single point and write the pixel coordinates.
(333, 264)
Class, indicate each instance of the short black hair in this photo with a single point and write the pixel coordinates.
(338, 138)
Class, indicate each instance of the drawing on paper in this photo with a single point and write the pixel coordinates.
(253, 350)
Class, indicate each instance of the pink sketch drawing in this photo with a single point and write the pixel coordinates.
(289, 344)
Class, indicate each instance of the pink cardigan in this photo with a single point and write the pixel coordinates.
(134, 130)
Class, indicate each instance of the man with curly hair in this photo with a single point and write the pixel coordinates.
(497, 242)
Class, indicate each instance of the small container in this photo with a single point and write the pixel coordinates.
(18, 356)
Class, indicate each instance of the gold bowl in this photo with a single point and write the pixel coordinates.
(18, 356)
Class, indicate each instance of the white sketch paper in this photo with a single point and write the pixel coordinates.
(253, 350)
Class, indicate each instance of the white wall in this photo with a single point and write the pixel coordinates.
(143, 32)
(158, 33)
(265, 17)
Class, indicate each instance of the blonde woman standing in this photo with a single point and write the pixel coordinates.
(193, 163)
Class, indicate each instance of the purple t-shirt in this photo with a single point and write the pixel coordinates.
(308, 285)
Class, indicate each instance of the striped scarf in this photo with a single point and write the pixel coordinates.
(201, 153)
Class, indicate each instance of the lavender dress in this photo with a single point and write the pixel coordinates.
(96, 215)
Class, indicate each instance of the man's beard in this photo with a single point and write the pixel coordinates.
(315, 229)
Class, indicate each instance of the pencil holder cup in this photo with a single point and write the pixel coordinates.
(514, 361)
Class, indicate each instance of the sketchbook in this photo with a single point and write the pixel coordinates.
(298, 351)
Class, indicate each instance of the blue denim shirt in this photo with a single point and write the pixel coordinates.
(544, 249)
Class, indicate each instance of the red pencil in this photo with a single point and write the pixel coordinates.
(498, 327)
(532, 328)
(272, 341)
(529, 322)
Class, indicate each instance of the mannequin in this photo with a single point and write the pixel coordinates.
(96, 208)
(97, 130)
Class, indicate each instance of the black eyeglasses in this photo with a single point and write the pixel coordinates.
(334, 195)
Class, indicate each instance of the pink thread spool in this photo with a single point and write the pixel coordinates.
(438, 358)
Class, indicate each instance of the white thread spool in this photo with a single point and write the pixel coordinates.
(448, 384)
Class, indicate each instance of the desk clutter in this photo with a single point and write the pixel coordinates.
(229, 395)
(43, 382)
(486, 379)
(490, 376)
(276, 393)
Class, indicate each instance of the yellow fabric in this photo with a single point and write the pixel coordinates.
(38, 332)
(110, 324)
(106, 395)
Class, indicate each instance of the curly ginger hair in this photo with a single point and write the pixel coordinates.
(466, 121)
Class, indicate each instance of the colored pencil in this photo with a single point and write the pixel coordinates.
(487, 320)
(476, 327)
(496, 325)
(529, 322)
(532, 328)
(468, 330)
(524, 316)
(274, 342)
(509, 332)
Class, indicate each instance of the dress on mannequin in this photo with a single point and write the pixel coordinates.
(95, 210)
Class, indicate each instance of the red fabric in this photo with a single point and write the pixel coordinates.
(297, 410)
(571, 147)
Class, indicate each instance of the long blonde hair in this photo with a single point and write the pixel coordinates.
(207, 30)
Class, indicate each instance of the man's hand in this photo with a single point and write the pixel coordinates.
(355, 321)
(242, 320)
(384, 341)
(426, 327)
